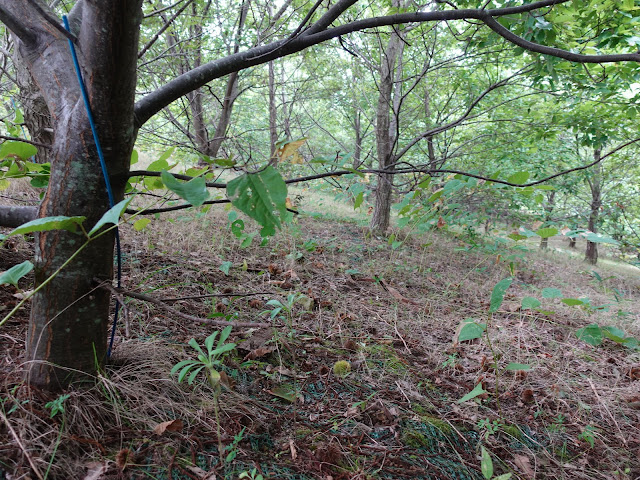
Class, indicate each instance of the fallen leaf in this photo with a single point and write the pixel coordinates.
(258, 353)
(292, 447)
(284, 392)
(200, 473)
(170, 426)
(290, 274)
(226, 380)
(524, 464)
(96, 471)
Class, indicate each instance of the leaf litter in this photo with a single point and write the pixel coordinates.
(395, 414)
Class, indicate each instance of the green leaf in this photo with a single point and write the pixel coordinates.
(546, 232)
(225, 334)
(227, 347)
(613, 333)
(165, 156)
(516, 237)
(17, 149)
(134, 157)
(504, 476)
(262, 196)
(551, 293)
(141, 224)
(530, 303)
(194, 191)
(48, 223)
(572, 302)
(595, 238)
(358, 201)
(486, 464)
(471, 330)
(111, 216)
(519, 178)
(518, 366)
(225, 266)
(592, 334)
(478, 390)
(498, 294)
(15, 273)
(194, 374)
(237, 227)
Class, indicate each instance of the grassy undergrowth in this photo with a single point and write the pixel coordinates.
(361, 374)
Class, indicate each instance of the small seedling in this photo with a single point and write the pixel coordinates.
(210, 360)
(57, 406)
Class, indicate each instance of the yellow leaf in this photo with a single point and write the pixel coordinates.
(291, 150)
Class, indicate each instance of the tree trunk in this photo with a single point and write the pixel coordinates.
(595, 185)
(273, 126)
(386, 134)
(67, 335)
(548, 211)
(34, 108)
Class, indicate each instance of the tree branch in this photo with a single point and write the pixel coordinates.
(170, 309)
(153, 102)
(13, 216)
(19, 28)
(18, 139)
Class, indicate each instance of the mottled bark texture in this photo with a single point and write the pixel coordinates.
(67, 334)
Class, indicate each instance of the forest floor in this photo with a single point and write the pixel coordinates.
(290, 407)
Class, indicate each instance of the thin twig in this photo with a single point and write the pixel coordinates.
(208, 295)
(164, 306)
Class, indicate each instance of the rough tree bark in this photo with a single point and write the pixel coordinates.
(595, 185)
(385, 133)
(68, 324)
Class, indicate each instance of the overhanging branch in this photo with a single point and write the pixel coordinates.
(153, 102)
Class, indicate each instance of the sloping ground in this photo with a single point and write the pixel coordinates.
(290, 411)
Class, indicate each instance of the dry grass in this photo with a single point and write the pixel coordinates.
(393, 314)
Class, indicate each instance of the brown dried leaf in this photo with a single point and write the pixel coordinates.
(170, 426)
(524, 464)
(292, 447)
(259, 352)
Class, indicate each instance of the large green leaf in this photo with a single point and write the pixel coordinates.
(262, 196)
(471, 330)
(546, 232)
(194, 191)
(112, 215)
(519, 178)
(15, 273)
(592, 334)
(478, 390)
(49, 223)
(551, 293)
(17, 149)
(498, 294)
(529, 303)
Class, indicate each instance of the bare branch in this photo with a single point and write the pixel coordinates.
(13, 216)
(150, 104)
(19, 28)
(18, 139)
(170, 309)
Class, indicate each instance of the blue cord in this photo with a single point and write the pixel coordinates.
(105, 173)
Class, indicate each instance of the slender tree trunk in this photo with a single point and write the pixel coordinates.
(273, 118)
(595, 185)
(386, 134)
(548, 210)
(67, 335)
(34, 108)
